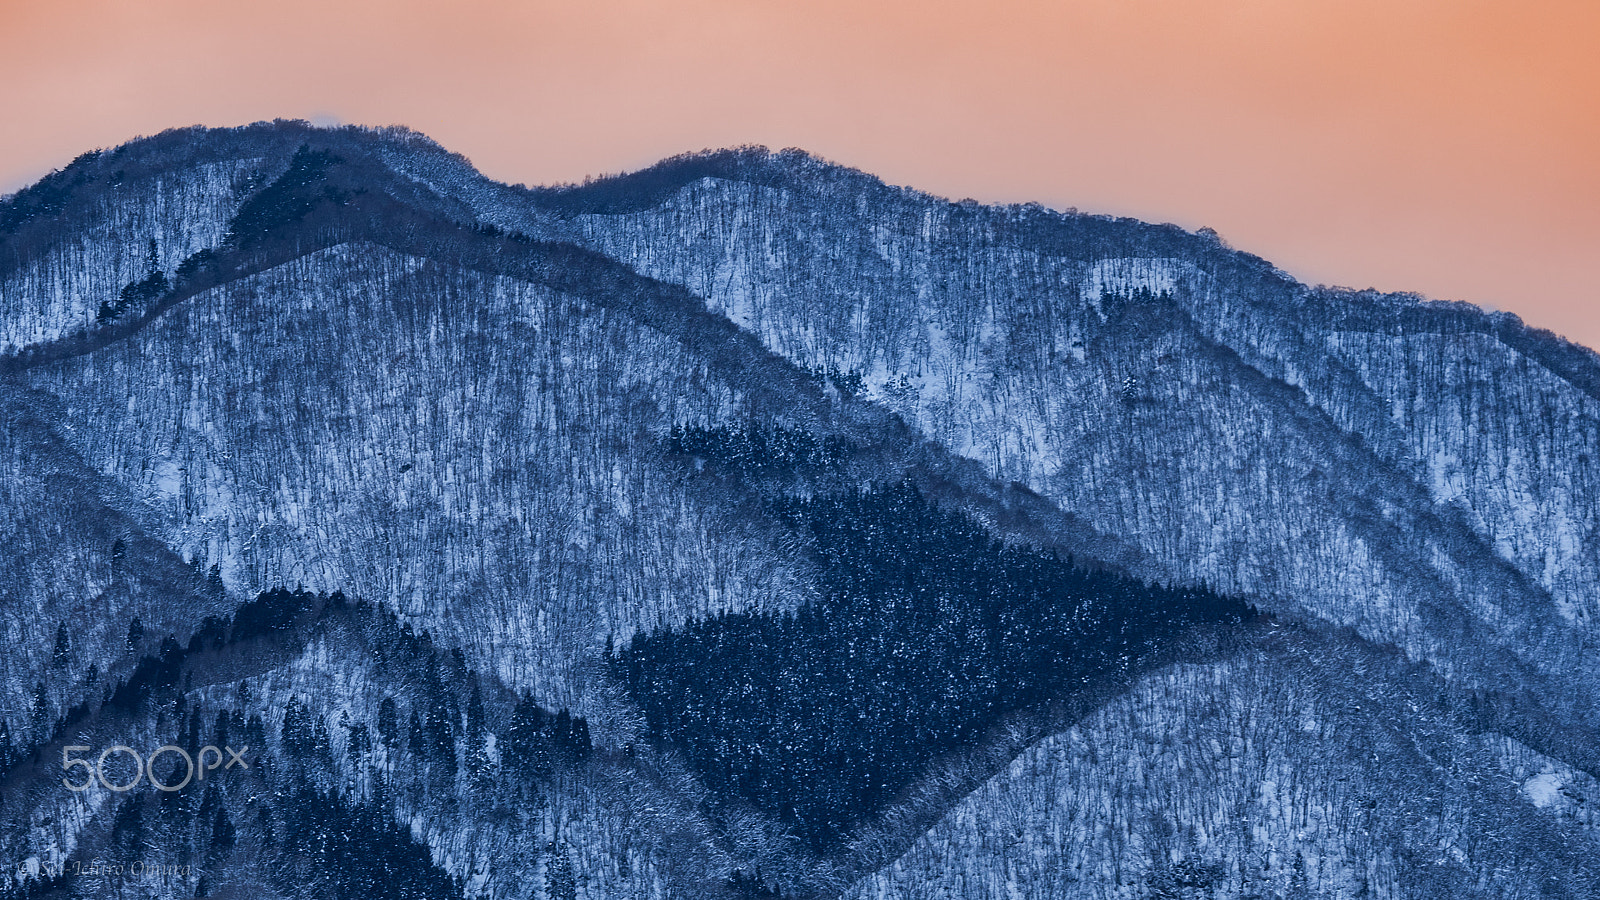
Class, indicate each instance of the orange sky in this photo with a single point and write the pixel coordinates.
(1442, 146)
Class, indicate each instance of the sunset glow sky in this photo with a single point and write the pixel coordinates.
(1448, 147)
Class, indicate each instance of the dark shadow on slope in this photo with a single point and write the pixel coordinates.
(929, 630)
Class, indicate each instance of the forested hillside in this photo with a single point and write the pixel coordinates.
(747, 527)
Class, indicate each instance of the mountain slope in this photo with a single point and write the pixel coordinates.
(1181, 396)
(521, 429)
(1273, 774)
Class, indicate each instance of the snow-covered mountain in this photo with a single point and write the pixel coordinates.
(746, 526)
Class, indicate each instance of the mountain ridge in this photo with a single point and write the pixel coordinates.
(364, 368)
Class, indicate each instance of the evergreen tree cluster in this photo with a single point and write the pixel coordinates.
(275, 611)
(648, 187)
(154, 675)
(538, 741)
(761, 450)
(435, 722)
(289, 199)
(304, 733)
(928, 630)
(139, 293)
(356, 852)
(851, 382)
(48, 197)
(1139, 294)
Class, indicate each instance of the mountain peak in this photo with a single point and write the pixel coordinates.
(745, 526)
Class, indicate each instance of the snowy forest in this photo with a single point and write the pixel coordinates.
(747, 527)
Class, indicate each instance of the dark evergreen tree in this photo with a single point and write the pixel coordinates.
(477, 761)
(128, 826)
(559, 881)
(41, 704)
(138, 293)
(416, 737)
(527, 743)
(289, 199)
(222, 728)
(61, 656)
(223, 836)
(297, 732)
(388, 723)
(358, 744)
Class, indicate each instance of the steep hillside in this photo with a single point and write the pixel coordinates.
(1377, 462)
(747, 527)
(1279, 773)
(87, 585)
